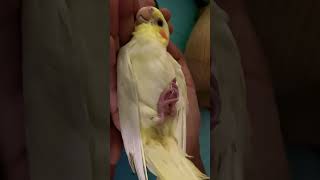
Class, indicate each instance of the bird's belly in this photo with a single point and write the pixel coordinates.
(154, 72)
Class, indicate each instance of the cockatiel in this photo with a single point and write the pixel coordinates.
(153, 103)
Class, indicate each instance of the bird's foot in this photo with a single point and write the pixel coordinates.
(167, 101)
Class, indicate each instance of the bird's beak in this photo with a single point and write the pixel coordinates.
(144, 15)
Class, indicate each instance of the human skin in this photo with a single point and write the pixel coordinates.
(122, 19)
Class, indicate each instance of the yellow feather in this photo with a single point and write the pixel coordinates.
(148, 31)
(145, 69)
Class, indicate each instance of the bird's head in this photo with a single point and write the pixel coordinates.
(151, 16)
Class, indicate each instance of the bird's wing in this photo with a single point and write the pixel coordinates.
(182, 105)
(129, 114)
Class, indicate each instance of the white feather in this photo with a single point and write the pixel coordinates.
(129, 115)
(145, 69)
(182, 105)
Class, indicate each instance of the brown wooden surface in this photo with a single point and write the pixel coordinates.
(197, 56)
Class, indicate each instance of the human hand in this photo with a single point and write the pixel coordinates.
(122, 17)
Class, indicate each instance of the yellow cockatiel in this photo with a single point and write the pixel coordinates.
(153, 138)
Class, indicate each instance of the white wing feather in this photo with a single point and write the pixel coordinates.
(129, 115)
(182, 105)
(128, 103)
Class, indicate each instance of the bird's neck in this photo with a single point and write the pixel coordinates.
(149, 33)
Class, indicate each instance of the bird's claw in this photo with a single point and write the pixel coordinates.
(167, 101)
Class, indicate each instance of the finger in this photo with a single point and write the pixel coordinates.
(174, 51)
(112, 64)
(115, 149)
(127, 12)
(144, 3)
(113, 83)
(166, 13)
(136, 6)
(126, 20)
(114, 110)
(170, 28)
(115, 145)
(112, 55)
(176, 54)
(114, 17)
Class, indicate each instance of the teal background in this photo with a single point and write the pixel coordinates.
(304, 162)
(184, 14)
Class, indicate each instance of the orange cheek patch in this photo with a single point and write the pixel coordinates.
(163, 34)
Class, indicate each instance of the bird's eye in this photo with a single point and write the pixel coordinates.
(160, 22)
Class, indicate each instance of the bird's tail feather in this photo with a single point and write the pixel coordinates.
(169, 162)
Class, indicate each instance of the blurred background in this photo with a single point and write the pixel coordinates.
(290, 35)
(278, 44)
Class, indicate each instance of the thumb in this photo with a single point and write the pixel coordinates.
(143, 3)
(115, 144)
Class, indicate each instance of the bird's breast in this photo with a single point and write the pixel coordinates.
(153, 71)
